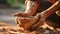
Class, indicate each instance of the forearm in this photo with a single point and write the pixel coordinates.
(51, 10)
(31, 7)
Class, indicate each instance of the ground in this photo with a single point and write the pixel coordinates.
(15, 29)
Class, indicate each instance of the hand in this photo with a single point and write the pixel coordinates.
(40, 22)
(26, 22)
(21, 14)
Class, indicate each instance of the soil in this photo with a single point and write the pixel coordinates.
(9, 29)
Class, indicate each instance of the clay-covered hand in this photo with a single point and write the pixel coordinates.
(26, 22)
(40, 22)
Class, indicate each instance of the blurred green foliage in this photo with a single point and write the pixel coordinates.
(15, 3)
(22, 1)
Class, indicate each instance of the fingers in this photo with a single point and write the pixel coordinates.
(21, 14)
(26, 22)
(17, 14)
(40, 22)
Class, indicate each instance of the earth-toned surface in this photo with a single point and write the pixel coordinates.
(15, 29)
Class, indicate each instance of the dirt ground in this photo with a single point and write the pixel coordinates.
(15, 29)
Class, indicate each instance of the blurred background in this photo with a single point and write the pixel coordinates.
(8, 8)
